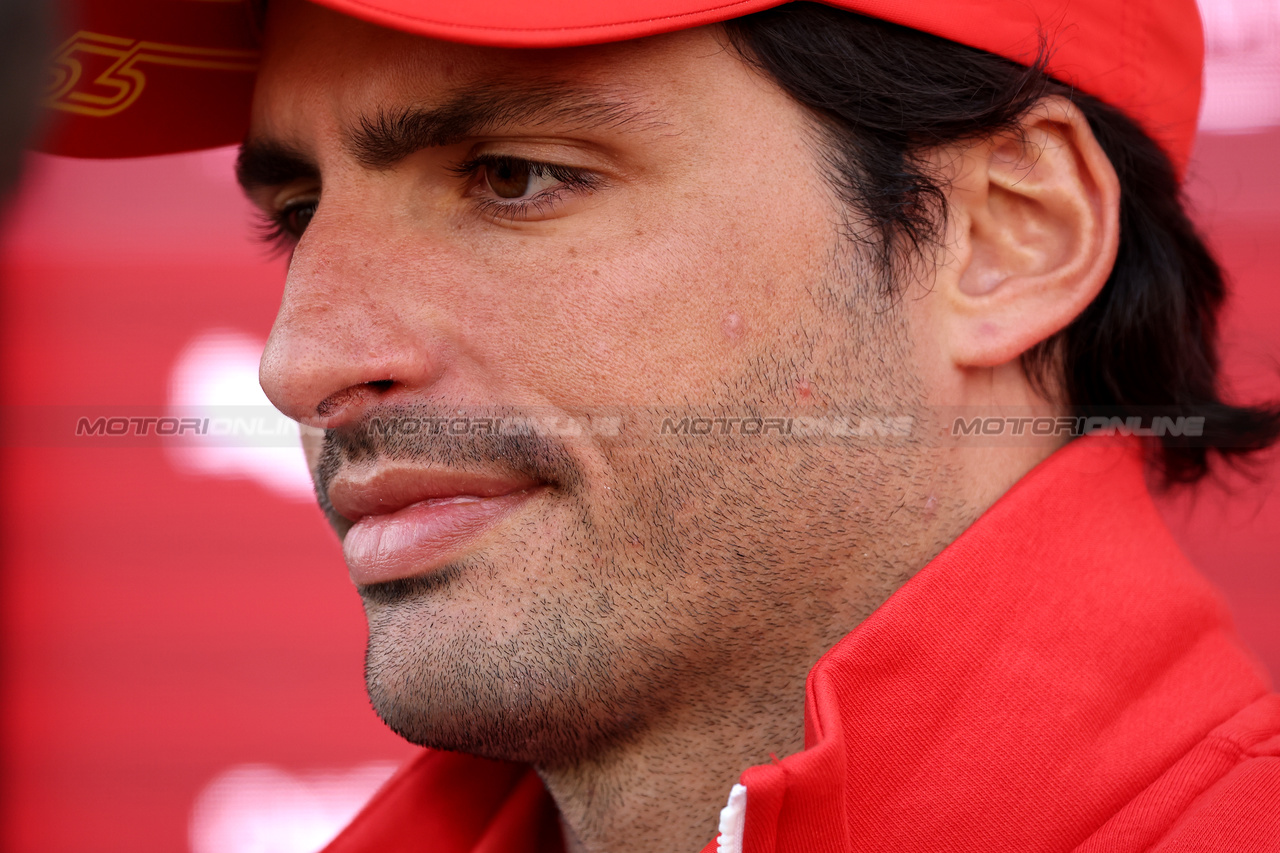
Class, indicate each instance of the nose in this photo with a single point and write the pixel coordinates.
(348, 334)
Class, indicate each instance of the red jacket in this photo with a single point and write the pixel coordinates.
(1059, 678)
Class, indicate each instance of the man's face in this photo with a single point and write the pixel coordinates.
(536, 594)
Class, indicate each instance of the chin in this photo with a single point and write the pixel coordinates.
(549, 687)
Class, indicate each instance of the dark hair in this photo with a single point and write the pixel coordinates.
(887, 94)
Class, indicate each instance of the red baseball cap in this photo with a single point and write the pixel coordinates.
(156, 76)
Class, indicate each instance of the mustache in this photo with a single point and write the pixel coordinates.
(489, 440)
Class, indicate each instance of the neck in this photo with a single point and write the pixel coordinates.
(662, 789)
(662, 792)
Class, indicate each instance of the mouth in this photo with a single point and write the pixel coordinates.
(408, 522)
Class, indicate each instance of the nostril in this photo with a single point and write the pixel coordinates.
(352, 399)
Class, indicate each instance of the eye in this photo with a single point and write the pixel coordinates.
(514, 189)
(509, 178)
(296, 216)
(281, 229)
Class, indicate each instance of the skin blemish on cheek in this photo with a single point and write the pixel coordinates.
(733, 326)
(988, 329)
(803, 389)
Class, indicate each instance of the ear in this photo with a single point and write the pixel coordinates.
(1033, 231)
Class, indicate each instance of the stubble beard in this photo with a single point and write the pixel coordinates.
(705, 572)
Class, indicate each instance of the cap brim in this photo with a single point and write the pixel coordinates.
(147, 77)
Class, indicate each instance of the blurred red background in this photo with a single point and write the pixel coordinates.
(182, 648)
(163, 626)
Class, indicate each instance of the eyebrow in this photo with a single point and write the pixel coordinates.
(381, 139)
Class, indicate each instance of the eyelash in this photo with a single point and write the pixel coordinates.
(275, 230)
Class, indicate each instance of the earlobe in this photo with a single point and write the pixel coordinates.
(1036, 228)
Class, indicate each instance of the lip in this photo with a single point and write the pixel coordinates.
(409, 522)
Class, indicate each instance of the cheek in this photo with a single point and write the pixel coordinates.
(664, 314)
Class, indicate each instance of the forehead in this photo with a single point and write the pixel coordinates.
(322, 67)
